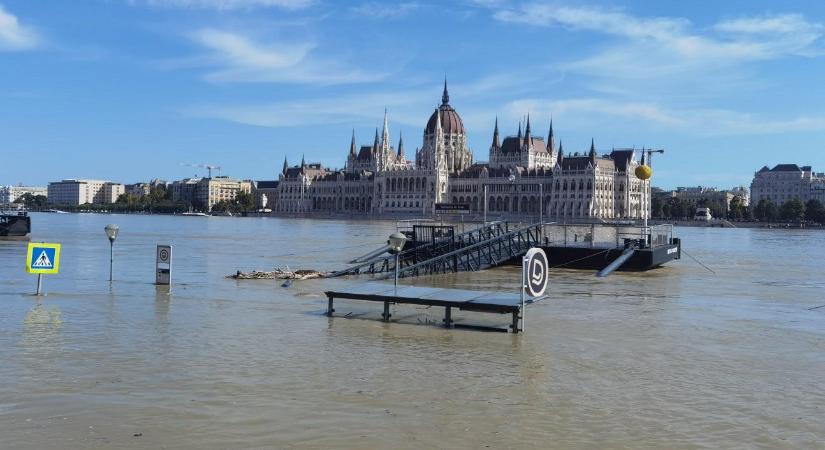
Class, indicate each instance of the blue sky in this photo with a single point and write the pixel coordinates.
(130, 90)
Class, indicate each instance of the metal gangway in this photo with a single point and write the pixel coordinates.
(482, 248)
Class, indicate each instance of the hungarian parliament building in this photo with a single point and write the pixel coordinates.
(524, 173)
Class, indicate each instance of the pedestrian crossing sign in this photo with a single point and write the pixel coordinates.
(43, 258)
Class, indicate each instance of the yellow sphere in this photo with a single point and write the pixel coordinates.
(644, 172)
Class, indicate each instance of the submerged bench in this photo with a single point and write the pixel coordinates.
(463, 300)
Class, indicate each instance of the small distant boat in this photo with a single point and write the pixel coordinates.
(14, 221)
(56, 211)
(194, 214)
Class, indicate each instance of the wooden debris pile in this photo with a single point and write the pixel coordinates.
(277, 274)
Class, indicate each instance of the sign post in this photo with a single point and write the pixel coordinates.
(42, 258)
(534, 277)
(163, 265)
(452, 208)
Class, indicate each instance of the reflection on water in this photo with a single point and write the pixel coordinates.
(673, 358)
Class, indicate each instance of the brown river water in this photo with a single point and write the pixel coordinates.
(677, 357)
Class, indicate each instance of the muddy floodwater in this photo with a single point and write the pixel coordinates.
(678, 357)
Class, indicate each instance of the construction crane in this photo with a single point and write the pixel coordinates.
(208, 167)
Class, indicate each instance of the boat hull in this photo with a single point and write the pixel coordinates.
(15, 226)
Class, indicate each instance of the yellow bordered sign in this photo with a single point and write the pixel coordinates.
(43, 258)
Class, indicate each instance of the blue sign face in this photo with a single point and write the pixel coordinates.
(43, 258)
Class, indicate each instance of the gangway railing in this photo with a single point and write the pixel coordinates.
(479, 255)
(426, 251)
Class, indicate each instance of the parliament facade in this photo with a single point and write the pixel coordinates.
(524, 172)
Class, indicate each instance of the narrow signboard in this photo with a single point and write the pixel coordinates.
(534, 277)
(452, 208)
(163, 265)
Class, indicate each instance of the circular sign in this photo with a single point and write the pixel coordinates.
(163, 254)
(535, 272)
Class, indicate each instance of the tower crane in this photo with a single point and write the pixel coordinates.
(208, 167)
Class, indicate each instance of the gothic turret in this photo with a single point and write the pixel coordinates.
(385, 136)
(560, 158)
(352, 144)
(551, 139)
(592, 153)
(303, 162)
(375, 142)
(445, 97)
(496, 142)
(528, 138)
(401, 157)
(286, 165)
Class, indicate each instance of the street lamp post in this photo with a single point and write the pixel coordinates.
(111, 233)
(396, 243)
(484, 203)
(646, 192)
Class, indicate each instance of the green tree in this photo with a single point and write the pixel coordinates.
(765, 210)
(793, 210)
(32, 201)
(245, 201)
(771, 212)
(815, 211)
(736, 209)
(656, 208)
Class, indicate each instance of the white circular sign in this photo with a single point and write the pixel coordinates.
(535, 272)
(163, 254)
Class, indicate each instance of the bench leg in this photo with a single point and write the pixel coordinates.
(386, 314)
(330, 310)
(514, 325)
(448, 317)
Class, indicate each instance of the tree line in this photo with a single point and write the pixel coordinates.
(793, 210)
(158, 201)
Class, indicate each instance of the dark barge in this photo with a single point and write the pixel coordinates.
(432, 248)
(14, 221)
(591, 246)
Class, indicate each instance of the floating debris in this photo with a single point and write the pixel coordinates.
(277, 274)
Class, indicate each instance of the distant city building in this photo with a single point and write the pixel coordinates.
(708, 195)
(786, 182)
(206, 192)
(141, 189)
(9, 194)
(266, 194)
(82, 191)
(524, 172)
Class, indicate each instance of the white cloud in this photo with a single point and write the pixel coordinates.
(15, 36)
(586, 112)
(652, 47)
(228, 4)
(241, 59)
(377, 10)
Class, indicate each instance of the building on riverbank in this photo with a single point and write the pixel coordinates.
(9, 193)
(204, 193)
(703, 195)
(82, 191)
(525, 172)
(787, 182)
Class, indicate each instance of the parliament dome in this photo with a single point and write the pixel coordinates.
(451, 122)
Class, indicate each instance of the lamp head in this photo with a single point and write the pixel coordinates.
(111, 231)
(397, 241)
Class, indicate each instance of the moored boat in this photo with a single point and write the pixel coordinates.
(14, 221)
